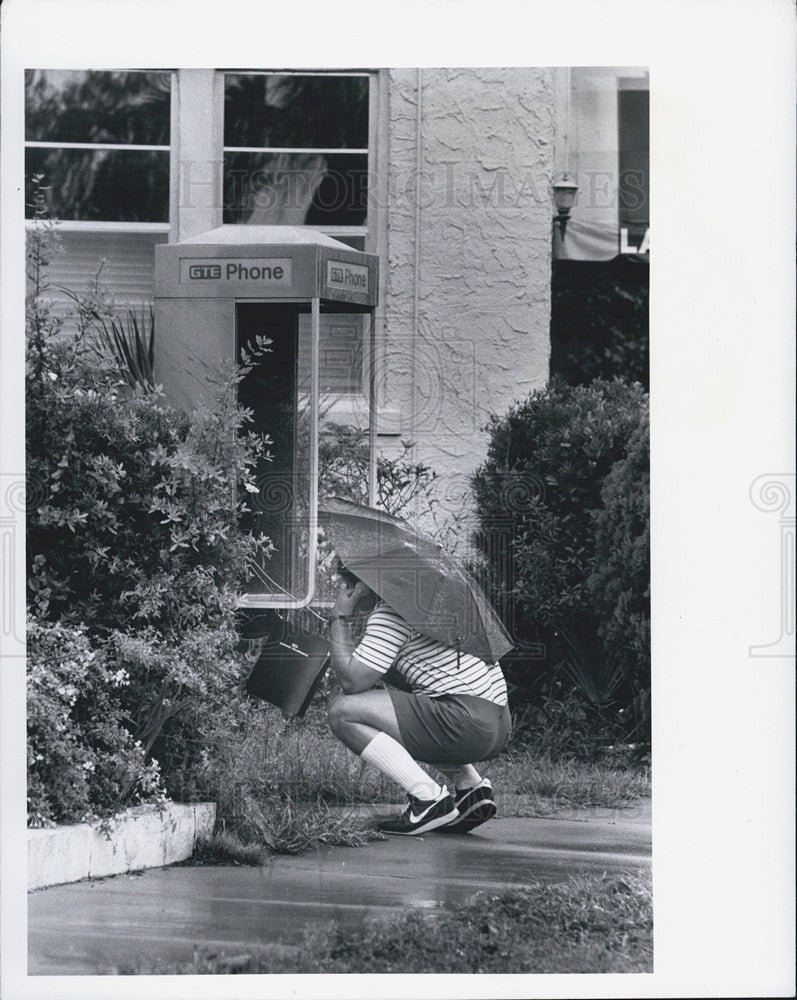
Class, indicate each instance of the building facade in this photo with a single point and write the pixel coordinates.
(445, 174)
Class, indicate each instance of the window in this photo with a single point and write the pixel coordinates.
(633, 118)
(296, 152)
(129, 165)
(342, 361)
(102, 141)
(296, 149)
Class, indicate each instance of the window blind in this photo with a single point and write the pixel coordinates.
(127, 276)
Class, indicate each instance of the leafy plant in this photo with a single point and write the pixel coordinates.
(134, 530)
(545, 491)
(597, 678)
(404, 486)
(83, 761)
(134, 497)
(343, 471)
(130, 341)
(599, 321)
(42, 245)
(288, 827)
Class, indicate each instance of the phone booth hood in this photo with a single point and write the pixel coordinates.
(201, 286)
(266, 262)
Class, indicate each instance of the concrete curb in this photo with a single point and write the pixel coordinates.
(139, 838)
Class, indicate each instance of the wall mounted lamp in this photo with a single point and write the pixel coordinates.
(564, 194)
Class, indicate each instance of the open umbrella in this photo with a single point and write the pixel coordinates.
(409, 571)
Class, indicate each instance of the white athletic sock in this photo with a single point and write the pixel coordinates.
(462, 776)
(393, 760)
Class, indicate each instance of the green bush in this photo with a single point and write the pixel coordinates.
(619, 584)
(549, 503)
(134, 535)
(83, 761)
(136, 519)
(343, 471)
(600, 320)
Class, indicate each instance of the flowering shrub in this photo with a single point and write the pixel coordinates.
(83, 762)
(135, 547)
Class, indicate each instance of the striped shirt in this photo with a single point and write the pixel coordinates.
(428, 666)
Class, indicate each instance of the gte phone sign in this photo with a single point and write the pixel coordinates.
(350, 277)
(248, 271)
(204, 272)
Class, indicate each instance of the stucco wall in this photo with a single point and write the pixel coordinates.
(469, 256)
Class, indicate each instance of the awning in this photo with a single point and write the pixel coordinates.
(599, 241)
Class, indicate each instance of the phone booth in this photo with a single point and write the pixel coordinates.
(313, 299)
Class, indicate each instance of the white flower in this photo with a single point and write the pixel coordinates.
(251, 488)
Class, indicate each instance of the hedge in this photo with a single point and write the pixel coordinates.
(562, 502)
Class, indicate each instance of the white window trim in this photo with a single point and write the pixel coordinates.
(376, 87)
(110, 226)
(85, 226)
(120, 146)
(332, 151)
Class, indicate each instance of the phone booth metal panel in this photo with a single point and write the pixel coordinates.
(215, 294)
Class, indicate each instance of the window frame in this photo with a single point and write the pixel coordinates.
(186, 220)
(347, 404)
(366, 232)
(635, 84)
(119, 226)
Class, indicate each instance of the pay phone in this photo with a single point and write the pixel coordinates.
(215, 294)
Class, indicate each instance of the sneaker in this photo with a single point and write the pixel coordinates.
(475, 806)
(422, 815)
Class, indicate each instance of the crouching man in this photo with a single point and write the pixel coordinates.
(450, 710)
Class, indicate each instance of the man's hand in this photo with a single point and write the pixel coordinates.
(348, 598)
(352, 675)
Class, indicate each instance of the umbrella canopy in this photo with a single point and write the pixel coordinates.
(409, 571)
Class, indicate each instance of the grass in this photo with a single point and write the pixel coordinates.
(586, 924)
(283, 787)
(534, 784)
(278, 783)
(286, 827)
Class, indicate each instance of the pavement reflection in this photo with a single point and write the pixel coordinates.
(96, 926)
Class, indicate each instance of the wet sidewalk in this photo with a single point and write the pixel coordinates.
(96, 926)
